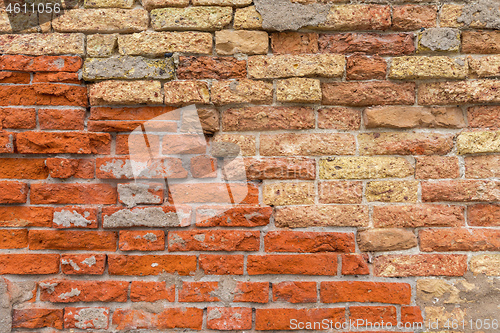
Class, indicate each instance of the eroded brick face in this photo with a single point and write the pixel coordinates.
(342, 164)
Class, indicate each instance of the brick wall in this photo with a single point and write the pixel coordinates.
(370, 142)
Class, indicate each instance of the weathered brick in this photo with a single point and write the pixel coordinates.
(365, 292)
(414, 216)
(249, 118)
(488, 264)
(355, 264)
(292, 144)
(26, 168)
(349, 192)
(228, 42)
(29, 263)
(294, 43)
(18, 118)
(460, 190)
(247, 18)
(414, 17)
(190, 318)
(321, 216)
(75, 217)
(43, 94)
(241, 91)
(191, 18)
(361, 67)
(392, 191)
(279, 66)
(484, 116)
(69, 291)
(40, 64)
(380, 240)
(230, 216)
(357, 17)
(420, 265)
(421, 67)
(215, 264)
(13, 238)
(198, 291)
(66, 168)
(364, 167)
(101, 45)
(295, 292)
(37, 318)
(93, 318)
(231, 318)
(462, 92)
(234, 3)
(7, 142)
(295, 264)
(73, 194)
(308, 242)
(190, 68)
(151, 264)
(43, 44)
(153, 217)
(13, 192)
(214, 192)
(58, 77)
(158, 43)
(58, 119)
(121, 168)
(481, 42)
(72, 240)
(276, 168)
(459, 239)
(224, 144)
(339, 118)
(186, 92)
(253, 292)
(390, 143)
(83, 264)
(298, 90)
(125, 92)
(368, 43)
(151, 291)
(282, 319)
(485, 66)
(368, 93)
(213, 240)
(478, 142)
(449, 14)
(438, 40)
(437, 167)
(151, 4)
(16, 78)
(413, 117)
(25, 216)
(373, 314)
(483, 215)
(127, 67)
(285, 194)
(135, 240)
(102, 20)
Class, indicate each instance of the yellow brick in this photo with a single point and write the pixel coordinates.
(42, 44)
(284, 194)
(392, 191)
(419, 67)
(241, 91)
(449, 14)
(485, 66)
(101, 45)
(246, 144)
(186, 92)
(235, 3)
(364, 168)
(247, 18)
(191, 18)
(109, 3)
(125, 92)
(298, 90)
(478, 142)
(488, 264)
(229, 42)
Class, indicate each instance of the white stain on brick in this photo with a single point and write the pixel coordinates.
(67, 218)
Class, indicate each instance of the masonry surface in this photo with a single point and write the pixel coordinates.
(369, 132)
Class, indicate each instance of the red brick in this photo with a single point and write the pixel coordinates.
(373, 314)
(355, 264)
(198, 292)
(44, 94)
(37, 318)
(134, 113)
(368, 93)
(183, 218)
(368, 43)
(141, 240)
(303, 242)
(294, 43)
(24, 216)
(25, 168)
(482, 166)
(481, 42)
(126, 319)
(13, 238)
(13, 192)
(414, 216)
(69, 291)
(151, 291)
(437, 167)
(295, 292)
(66, 168)
(413, 17)
(251, 292)
(61, 119)
(281, 319)
(484, 117)
(15, 77)
(151, 264)
(276, 168)
(41, 63)
(121, 168)
(129, 126)
(310, 144)
(75, 217)
(88, 318)
(20, 263)
(232, 216)
(483, 215)
(214, 192)
(227, 319)
(72, 240)
(297, 264)
(203, 166)
(409, 143)
(59, 77)
(83, 264)
(73, 194)
(19, 118)
(6, 142)
(277, 117)
(221, 264)
(361, 67)
(193, 68)
(365, 292)
(339, 118)
(125, 141)
(459, 239)
(63, 143)
(411, 314)
(420, 265)
(213, 240)
(461, 190)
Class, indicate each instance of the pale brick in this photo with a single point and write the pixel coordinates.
(410, 68)
(364, 168)
(481, 42)
(18, 23)
(125, 92)
(461, 190)
(449, 14)
(485, 66)
(286, 194)
(158, 43)
(414, 17)
(483, 166)
(229, 42)
(235, 3)
(339, 118)
(245, 143)
(389, 239)
(102, 20)
(109, 3)
(101, 45)
(420, 265)
(439, 40)
(186, 92)
(298, 90)
(43, 44)
(415, 216)
(127, 67)
(322, 216)
(247, 18)
(341, 192)
(478, 142)
(413, 117)
(191, 18)
(437, 167)
(488, 264)
(250, 118)
(151, 4)
(392, 143)
(279, 66)
(357, 17)
(242, 91)
(314, 144)
(392, 191)
(464, 92)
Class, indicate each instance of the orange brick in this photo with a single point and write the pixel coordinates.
(151, 291)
